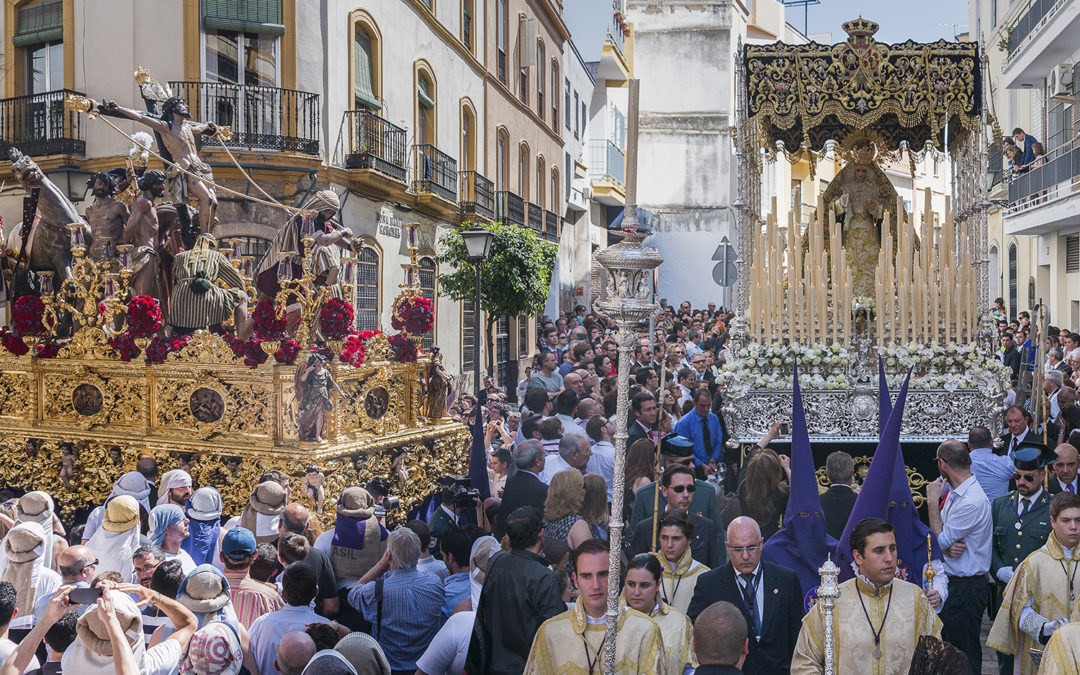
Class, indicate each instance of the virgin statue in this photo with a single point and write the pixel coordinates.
(860, 195)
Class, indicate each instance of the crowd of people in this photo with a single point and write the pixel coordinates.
(512, 577)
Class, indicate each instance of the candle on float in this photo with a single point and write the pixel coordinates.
(792, 242)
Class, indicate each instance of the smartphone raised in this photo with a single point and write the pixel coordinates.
(84, 596)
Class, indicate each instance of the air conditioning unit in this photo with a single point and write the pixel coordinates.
(587, 192)
(1059, 86)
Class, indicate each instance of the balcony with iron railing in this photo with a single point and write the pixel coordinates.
(466, 31)
(435, 172)
(261, 118)
(1040, 35)
(509, 208)
(476, 195)
(375, 144)
(534, 216)
(38, 125)
(551, 226)
(1045, 197)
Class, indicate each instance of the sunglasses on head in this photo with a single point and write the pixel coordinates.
(679, 489)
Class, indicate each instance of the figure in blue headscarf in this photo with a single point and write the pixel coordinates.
(204, 523)
(169, 529)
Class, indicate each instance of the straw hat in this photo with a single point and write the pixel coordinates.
(121, 514)
(204, 590)
(92, 632)
(356, 502)
(268, 498)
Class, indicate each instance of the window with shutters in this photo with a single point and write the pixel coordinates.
(468, 11)
(541, 182)
(502, 352)
(1012, 282)
(523, 171)
(501, 35)
(40, 32)
(577, 117)
(555, 95)
(568, 110)
(1072, 253)
(502, 143)
(523, 335)
(468, 335)
(540, 60)
(425, 109)
(242, 41)
(367, 289)
(427, 289)
(366, 76)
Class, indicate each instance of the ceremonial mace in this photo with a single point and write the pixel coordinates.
(828, 592)
(627, 297)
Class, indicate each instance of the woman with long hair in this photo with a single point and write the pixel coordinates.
(563, 509)
(762, 494)
(640, 470)
(594, 509)
(641, 591)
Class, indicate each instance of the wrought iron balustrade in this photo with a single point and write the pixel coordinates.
(38, 125)
(435, 172)
(375, 143)
(477, 194)
(509, 208)
(261, 118)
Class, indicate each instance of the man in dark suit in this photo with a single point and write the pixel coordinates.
(768, 595)
(678, 486)
(1064, 474)
(677, 451)
(1010, 356)
(1021, 522)
(839, 499)
(720, 640)
(1018, 422)
(643, 406)
(524, 488)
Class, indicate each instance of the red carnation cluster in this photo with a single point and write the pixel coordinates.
(335, 319)
(144, 316)
(124, 345)
(27, 314)
(417, 316)
(355, 349)
(251, 350)
(47, 350)
(323, 351)
(403, 347)
(267, 325)
(287, 352)
(160, 348)
(12, 342)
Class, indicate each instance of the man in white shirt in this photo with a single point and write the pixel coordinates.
(574, 453)
(602, 462)
(298, 588)
(964, 527)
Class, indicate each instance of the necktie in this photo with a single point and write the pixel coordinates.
(1025, 504)
(749, 591)
(1070, 488)
(705, 436)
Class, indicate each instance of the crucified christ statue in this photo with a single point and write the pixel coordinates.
(177, 131)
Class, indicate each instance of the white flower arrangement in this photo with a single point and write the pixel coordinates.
(824, 367)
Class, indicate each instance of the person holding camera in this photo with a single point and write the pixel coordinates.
(455, 500)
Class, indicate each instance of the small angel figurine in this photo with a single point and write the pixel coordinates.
(67, 463)
(314, 481)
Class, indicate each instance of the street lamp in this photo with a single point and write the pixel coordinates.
(477, 247)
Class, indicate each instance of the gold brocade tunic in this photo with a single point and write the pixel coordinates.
(677, 586)
(1062, 655)
(678, 635)
(566, 645)
(1043, 580)
(909, 617)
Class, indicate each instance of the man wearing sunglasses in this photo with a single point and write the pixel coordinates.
(677, 487)
(1021, 521)
(676, 450)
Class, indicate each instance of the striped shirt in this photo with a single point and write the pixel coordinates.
(188, 309)
(411, 613)
(251, 599)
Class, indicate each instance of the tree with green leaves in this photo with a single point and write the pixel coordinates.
(514, 277)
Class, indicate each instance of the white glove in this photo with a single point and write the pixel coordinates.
(1050, 626)
(1004, 574)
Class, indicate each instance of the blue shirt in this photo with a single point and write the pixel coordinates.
(966, 515)
(992, 471)
(456, 588)
(690, 427)
(411, 609)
